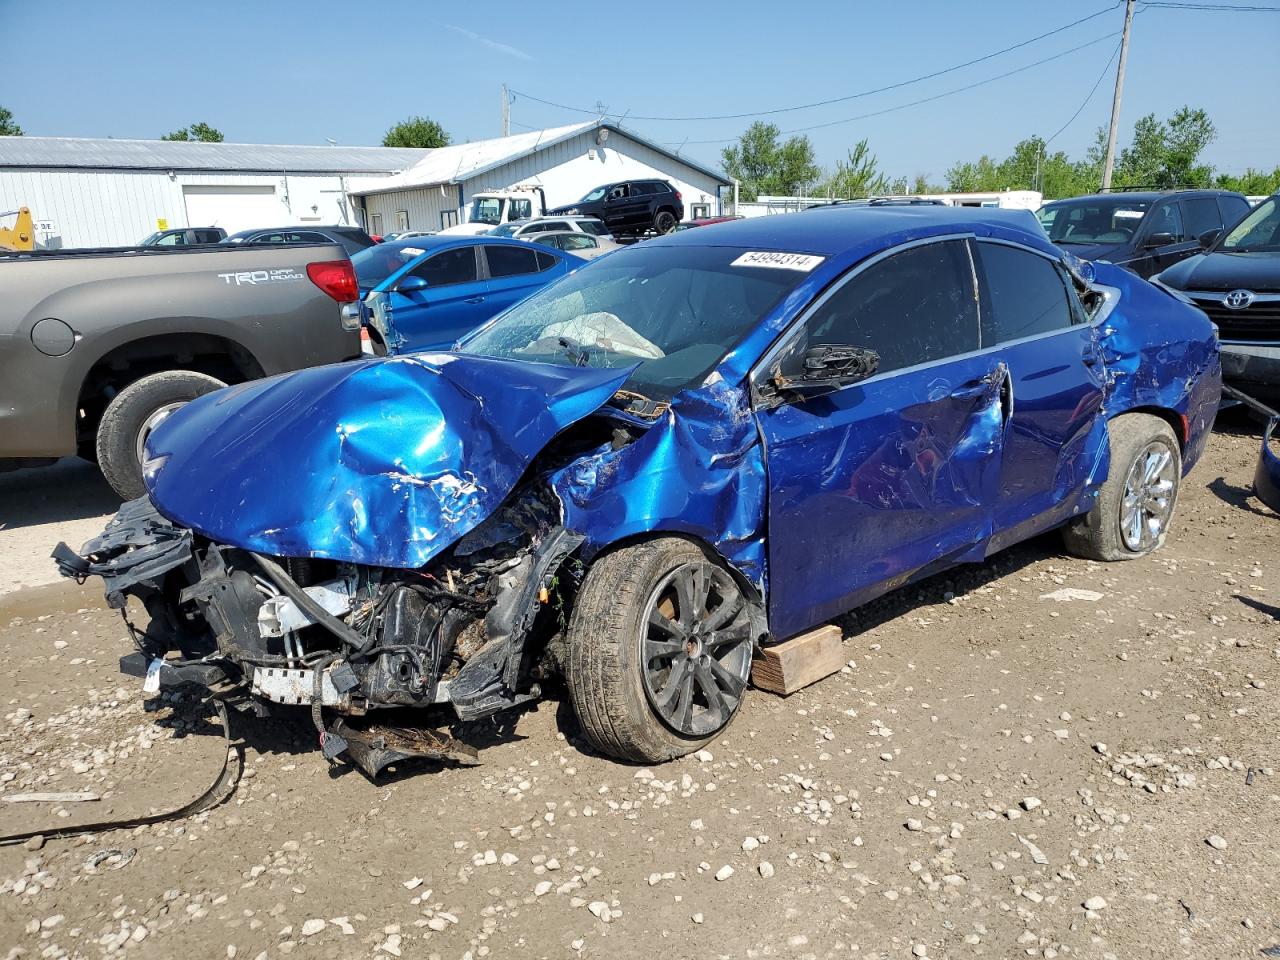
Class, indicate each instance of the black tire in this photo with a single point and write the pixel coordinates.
(128, 418)
(664, 221)
(1101, 534)
(614, 695)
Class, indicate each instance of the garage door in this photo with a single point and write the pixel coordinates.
(232, 207)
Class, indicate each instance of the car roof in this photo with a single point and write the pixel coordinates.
(1147, 195)
(846, 228)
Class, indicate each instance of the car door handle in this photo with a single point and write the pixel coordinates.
(474, 300)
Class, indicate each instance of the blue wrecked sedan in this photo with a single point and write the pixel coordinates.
(634, 479)
(425, 293)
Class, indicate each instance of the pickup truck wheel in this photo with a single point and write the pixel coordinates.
(664, 222)
(1136, 503)
(131, 416)
(660, 645)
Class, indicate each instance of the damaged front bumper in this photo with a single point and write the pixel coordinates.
(270, 634)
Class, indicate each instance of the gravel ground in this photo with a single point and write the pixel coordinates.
(994, 774)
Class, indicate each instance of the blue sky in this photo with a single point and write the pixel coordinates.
(290, 71)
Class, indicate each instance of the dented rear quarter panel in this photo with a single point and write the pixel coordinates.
(1161, 355)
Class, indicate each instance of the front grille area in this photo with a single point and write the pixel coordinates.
(1258, 322)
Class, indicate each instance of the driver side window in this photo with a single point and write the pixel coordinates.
(912, 307)
(1166, 218)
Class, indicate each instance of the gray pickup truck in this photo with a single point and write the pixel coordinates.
(98, 346)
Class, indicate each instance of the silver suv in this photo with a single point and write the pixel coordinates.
(527, 229)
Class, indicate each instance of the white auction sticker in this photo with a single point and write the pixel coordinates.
(775, 260)
(152, 683)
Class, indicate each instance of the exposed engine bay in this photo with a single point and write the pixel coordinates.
(267, 634)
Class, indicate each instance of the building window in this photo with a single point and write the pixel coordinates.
(402, 221)
(699, 211)
(376, 224)
(448, 218)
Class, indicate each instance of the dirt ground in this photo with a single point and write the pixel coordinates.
(989, 762)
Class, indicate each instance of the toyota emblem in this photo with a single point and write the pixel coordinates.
(1238, 299)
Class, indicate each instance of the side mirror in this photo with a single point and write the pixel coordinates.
(1209, 238)
(1159, 240)
(828, 367)
(410, 284)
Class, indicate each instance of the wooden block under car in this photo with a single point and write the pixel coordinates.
(786, 667)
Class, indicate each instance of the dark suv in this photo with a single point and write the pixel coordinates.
(631, 208)
(1145, 231)
(353, 239)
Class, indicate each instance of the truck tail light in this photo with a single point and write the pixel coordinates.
(337, 278)
(678, 196)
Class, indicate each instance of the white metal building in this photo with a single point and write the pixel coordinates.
(566, 162)
(86, 193)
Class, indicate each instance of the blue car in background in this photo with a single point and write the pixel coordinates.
(424, 293)
(707, 442)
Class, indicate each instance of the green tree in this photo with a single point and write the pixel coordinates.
(765, 166)
(8, 128)
(416, 132)
(1163, 155)
(200, 132)
(1252, 182)
(856, 176)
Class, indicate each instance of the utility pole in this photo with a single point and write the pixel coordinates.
(1110, 160)
(506, 112)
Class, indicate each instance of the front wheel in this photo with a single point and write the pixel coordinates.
(131, 416)
(1136, 502)
(660, 646)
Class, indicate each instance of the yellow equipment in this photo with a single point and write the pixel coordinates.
(22, 235)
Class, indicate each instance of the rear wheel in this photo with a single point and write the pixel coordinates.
(131, 416)
(660, 646)
(665, 221)
(1136, 503)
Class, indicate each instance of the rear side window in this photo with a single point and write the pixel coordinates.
(548, 227)
(1233, 209)
(507, 261)
(1201, 214)
(545, 260)
(913, 307)
(576, 241)
(1022, 295)
(593, 227)
(448, 267)
(208, 236)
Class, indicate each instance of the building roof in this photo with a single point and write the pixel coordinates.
(75, 152)
(460, 162)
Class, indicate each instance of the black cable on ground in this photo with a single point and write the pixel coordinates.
(206, 801)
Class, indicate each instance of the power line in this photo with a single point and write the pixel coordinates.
(1084, 103)
(1216, 7)
(844, 99)
(937, 96)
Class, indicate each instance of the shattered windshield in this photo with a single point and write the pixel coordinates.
(1092, 219)
(1257, 232)
(674, 310)
(486, 210)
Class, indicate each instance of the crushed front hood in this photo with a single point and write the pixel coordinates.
(383, 462)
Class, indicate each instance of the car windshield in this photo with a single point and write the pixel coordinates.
(1091, 220)
(374, 264)
(486, 210)
(595, 194)
(674, 310)
(1258, 232)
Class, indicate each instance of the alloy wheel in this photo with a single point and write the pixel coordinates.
(1148, 497)
(696, 648)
